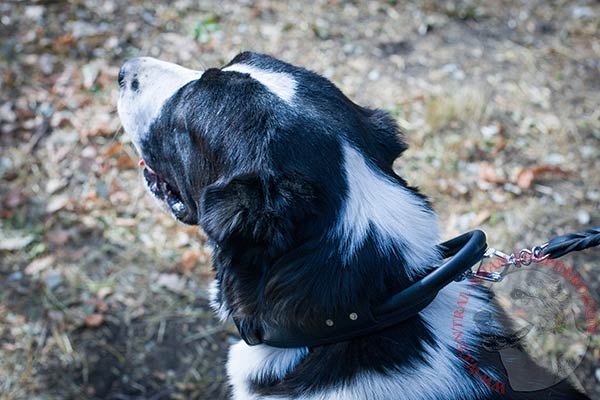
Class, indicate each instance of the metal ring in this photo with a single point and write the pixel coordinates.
(525, 256)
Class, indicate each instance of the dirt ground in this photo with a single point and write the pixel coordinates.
(102, 296)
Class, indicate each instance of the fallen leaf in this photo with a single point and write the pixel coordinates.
(172, 282)
(526, 176)
(189, 259)
(125, 222)
(94, 320)
(113, 149)
(16, 243)
(103, 292)
(52, 281)
(66, 40)
(101, 306)
(54, 185)
(487, 173)
(57, 203)
(59, 236)
(481, 218)
(38, 265)
(15, 198)
(126, 162)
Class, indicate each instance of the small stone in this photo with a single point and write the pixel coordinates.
(53, 281)
(373, 75)
(173, 282)
(329, 322)
(34, 13)
(489, 130)
(459, 75)
(583, 217)
(90, 72)
(15, 276)
(6, 112)
(593, 195)
(89, 152)
(554, 159)
(580, 13)
(353, 316)
(46, 63)
(588, 151)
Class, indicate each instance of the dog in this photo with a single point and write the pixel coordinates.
(293, 184)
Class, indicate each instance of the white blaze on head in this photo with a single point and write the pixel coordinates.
(279, 83)
(147, 83)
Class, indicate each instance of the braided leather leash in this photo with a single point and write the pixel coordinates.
(561, 245)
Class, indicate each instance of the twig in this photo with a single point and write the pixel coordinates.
(41, 131)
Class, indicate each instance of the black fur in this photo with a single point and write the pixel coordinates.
(265, 180)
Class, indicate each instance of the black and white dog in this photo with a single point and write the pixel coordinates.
(271, 160)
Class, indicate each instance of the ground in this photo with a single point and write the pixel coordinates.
(102, 296)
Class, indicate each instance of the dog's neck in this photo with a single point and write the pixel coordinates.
(382, 237)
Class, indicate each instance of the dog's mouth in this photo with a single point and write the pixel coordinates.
(162, 190)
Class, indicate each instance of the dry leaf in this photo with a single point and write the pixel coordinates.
(38, 265)
(64, 41)
(487, 173)
(172, 282)
(57, 203)
(189, 259)
(481, 218)
(59, 236)
(527, 176)
(54, 185)
(16, 243)
(126, 162)
(15, 198)
(125, 222)
(101, 306)
(103, 292)
(113, 149)
(94, 320)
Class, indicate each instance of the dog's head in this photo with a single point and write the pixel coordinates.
(248, 150)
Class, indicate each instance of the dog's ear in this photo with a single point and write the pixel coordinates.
(387, 136)
(254, 209)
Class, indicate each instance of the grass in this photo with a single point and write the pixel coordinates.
(105, 296)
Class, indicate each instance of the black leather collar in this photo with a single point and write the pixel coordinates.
(465, 250)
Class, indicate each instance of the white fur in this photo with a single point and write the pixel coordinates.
(279, 83)
(439, 377)
(374, 200)
(220, 308)
(158, 81)
(258, 362)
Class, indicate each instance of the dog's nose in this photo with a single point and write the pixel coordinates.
(128, 72)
